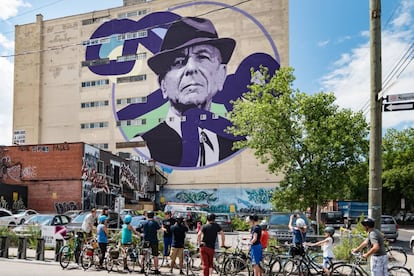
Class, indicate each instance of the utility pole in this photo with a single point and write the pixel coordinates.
(375, 158)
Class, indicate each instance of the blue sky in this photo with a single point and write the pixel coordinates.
(329, 48)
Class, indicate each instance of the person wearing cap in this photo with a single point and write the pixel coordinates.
(88, 224)
(150, 229)
(299, 235)
(102, 237)
(191, 67)
(206, 239)
(377, 252)
(167, 237)
(126, 238)
(178, 231)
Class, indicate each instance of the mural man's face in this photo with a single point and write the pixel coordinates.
(196, 75)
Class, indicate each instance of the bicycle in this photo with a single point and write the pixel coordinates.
(146, 260)
(114, 261)
(132, 254)
(396, 255)
(67, 252)
(355, 268)
(90, 255)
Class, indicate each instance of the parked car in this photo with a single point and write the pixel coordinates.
(130, 212)
(39, 220)
(224, 220)
(73, 213)
(333, 218)
(24, 215)
(7, 218)
(76, 223)
(192, 217)
(389, 227)
(278, 226)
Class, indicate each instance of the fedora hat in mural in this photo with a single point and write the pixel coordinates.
(189, 31)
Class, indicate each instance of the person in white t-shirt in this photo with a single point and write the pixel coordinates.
(88, 225)
(327, 248)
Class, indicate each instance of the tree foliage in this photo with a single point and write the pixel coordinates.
(307, 138)
(398, 166)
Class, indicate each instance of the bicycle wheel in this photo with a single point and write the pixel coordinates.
(399, 271)
(346, 270)
(86, 258)
(396, 257)
(65, 255)
(275, 267)
(132, 259)
(236, 266)
(290, 267)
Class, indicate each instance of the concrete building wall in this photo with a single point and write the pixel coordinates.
(49, 74)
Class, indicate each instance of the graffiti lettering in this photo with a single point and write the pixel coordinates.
(61, 147)
(260, 196)
(190, 197)
(40, 149)
(24, 148)
(128, 177)
(97, 180)
(62, 207)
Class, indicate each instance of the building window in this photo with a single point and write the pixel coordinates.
(136, 122)
(131, 78)
(131, 100)
(203, 117)
(101, 146)
(95, 62)
(94, 104)
(183, 118)
(215, 116)
(95, 83)
(95, 20)
(132, 57)
(96, 41)
(94, 125)
(132, 14)
(132, 35)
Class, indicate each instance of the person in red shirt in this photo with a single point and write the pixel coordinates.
(264, 239)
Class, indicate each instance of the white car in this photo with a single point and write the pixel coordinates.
(7, 218)
(24, 215)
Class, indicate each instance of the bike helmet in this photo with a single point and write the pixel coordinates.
(300, 223)
(150, 214)
(368, 222)
(263, 224)
(330, 230)
(102, 218)
(127, 219)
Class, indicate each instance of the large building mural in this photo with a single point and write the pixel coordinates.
(183, 121)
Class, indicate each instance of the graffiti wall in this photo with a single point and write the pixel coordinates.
(224, 200)
(183, 120)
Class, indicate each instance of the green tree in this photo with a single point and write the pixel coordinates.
(398, 168)
(307, 138)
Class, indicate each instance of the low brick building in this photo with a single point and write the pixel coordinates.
(65, 176)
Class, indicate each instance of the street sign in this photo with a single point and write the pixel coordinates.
(398, 106)
(400, 97)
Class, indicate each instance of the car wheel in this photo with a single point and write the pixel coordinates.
(412, 247)
(22, 221)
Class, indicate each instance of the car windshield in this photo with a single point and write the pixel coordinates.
(282, 219)
(221, 218)
(43, 219)
(387, 220)
(80, 218)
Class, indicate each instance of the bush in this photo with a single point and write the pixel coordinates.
(349, 239)
(6, 231)
(239, 224)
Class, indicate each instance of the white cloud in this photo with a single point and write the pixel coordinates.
(5, 43)
(6, 101)
(10, 8)
(323, 43)
(350, 78)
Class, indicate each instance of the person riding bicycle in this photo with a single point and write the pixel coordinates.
(255, 245)
(299, 235)
(375, 243)
(327, 248)
(178, 231)
(102, 233)
(126, 237)
(150, 228)
(88, 224)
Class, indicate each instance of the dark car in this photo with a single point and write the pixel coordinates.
(76, 223)
(224, 220)
(278, 226)
(333, 218)
(192, 217)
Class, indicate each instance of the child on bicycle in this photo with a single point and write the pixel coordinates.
(126, 237)
(327, 248)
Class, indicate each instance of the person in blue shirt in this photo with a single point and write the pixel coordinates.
(255, 245)
(150, 229)
(102, 234)
(126, 237)
(299, 235)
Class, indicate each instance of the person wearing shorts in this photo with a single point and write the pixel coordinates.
(255, 245)
(178, 230)
(150, 228)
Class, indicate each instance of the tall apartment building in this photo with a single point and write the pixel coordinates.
(88, 78)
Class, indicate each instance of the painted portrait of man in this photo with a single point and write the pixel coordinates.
(191, 68)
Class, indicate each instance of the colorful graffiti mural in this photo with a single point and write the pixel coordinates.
(185, 119)
(16, 171)
(243, 200)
